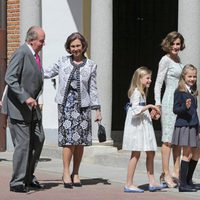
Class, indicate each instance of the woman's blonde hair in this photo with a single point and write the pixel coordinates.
(181, 83)
(136, 83)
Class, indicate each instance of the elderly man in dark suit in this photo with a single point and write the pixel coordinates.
(24, 78)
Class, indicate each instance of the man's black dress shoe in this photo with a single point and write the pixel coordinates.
(19, 188)
(186, 188)
(36, 185)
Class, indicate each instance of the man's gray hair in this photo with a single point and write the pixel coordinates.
(32, 33)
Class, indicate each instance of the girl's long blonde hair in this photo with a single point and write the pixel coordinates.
(136, 83)
(181, 83)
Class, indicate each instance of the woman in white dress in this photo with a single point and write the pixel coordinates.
(138, 131)
(169, 71)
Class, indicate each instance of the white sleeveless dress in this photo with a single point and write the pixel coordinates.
(138, 131)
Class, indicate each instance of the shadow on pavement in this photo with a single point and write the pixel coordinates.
(145, 187)
(94, 181)
(50, 185)
(45, 159)
(3, 159)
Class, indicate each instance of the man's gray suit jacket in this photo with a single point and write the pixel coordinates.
(24, 80)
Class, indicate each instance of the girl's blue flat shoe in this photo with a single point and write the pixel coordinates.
(138, 190)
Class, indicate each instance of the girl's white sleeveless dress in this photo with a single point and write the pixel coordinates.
(138, 131)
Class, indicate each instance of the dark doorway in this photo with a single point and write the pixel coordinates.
(138, 28)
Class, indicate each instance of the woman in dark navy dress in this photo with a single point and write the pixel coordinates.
(76, 97)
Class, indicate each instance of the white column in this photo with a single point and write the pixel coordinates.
(188, 26)
(101, 53)
(30, 15)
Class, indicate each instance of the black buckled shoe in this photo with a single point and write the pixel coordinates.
(19, 188)
(186, 188)
(191, 184)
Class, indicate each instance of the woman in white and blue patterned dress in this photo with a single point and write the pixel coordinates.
(169, 71)
(76, 97)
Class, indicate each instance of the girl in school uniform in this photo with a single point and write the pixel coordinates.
(138, 131)
(186, 131)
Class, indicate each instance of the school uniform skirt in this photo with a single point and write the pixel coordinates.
(186, 136)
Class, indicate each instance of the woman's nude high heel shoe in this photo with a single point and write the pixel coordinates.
(169, 182)
(162, 180)
(175, 179)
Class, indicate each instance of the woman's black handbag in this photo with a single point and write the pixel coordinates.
(101, 133)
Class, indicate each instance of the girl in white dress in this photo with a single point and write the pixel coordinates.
(138, 131)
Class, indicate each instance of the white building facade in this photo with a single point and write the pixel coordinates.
(94, 19)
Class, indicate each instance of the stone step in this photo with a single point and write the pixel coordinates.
(110, 156)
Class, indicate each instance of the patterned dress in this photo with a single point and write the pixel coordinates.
(74, 122)
(168, 73)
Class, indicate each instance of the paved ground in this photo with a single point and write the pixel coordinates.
(102, 175)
